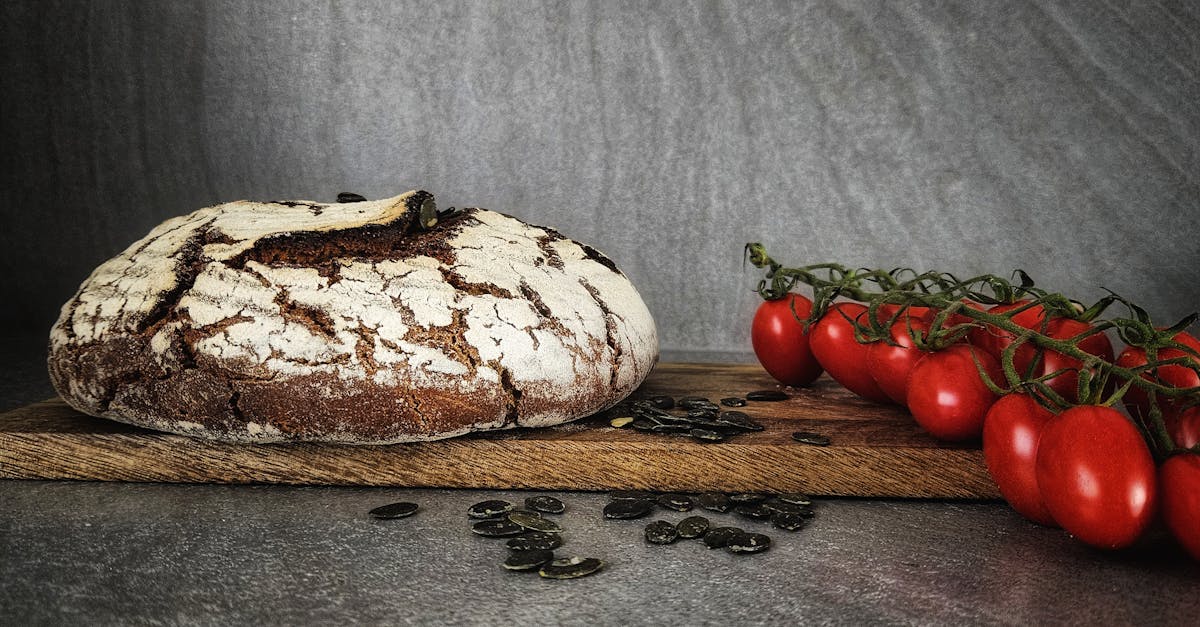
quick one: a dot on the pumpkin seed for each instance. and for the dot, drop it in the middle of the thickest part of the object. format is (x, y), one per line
(661, 532)
(641, 424)
(621, 421)
(395, 510)
(744, 543)
(628, 509)
(757, 511)
(701, 413)
(531, 540)
(534, 522)
(690, 400)
(733, 401)
(528, 560)
(706, 435)
(789, 521)
(715, 502)
(546, 504)
(720, 537)
(489, 509)
(661, 401)
(497, 528)
(808, 437)
(677, 502)
(349, 197)
(747, 498)
(570, 567)
(769, 396)
(739, 419)
(786, 508)
(692, 527)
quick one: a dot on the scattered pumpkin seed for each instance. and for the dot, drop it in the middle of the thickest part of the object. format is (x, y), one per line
(789, 521)
(395, 510)
(692, 527)
(489, 509)
(534, 522)
(628, 509)
(497, 528)
(531, 540)
(740, 420)
(528, 560)
(661, 401)
(545, 504)
(769, 396)
(661, 532)
(684, 401)
(747, 498)
(570, 567)
(758, 511)
(808, 437)
(733, 401)
(744, 543)
(714, 502)
(786, 508)
(345, 197)
(719, 537)
(677, 502)
(706, 435)
(701, 413)
(641, 424)
(622, 421)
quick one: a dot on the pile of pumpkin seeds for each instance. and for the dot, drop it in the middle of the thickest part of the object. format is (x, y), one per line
(787, 512)
(532, 537)
(696, 416)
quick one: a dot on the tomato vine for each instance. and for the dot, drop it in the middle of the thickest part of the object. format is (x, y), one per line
(888, 294)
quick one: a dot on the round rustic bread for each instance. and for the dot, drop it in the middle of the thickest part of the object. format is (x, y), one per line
(363, 322)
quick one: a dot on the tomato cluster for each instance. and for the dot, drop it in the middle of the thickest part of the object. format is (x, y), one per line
(1083, 466)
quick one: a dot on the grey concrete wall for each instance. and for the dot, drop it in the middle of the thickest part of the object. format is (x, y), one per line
(1059, 137)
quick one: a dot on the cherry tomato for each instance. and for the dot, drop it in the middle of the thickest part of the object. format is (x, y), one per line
(890, 365)
(995, 340)
(1067, 383)
(1011, 432)
(833, 343)
(1096, 476)
(1136, 398)
(946, 395)
(1179, 486)
(781, 343)
(1184, 428)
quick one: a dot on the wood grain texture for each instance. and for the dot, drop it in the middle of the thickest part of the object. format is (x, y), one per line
(876, 451)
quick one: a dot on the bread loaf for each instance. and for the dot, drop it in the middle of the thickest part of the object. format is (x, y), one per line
(364, 322)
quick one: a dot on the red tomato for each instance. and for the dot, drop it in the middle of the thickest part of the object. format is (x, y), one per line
(780, 342)
(1067, 383)
(1184, 428)
(1136, 398)
(833, 343)
(995, 340)
(947, 397)
(1011, 432)
(890, 365)
(1096, 476)
(1179, 486)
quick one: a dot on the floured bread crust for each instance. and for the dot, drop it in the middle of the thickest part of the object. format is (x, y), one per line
(301, 321)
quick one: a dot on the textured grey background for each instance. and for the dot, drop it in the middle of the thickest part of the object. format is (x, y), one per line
(1060, 137)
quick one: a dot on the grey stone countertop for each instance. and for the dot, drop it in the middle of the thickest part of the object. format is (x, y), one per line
(80, 552)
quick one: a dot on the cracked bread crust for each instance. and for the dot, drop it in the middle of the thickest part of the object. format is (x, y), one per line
(302, 321)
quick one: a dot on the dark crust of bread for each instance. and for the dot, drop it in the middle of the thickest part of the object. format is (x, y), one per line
(184, 390)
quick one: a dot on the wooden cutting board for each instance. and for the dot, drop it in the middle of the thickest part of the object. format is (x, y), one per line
(876, 450)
